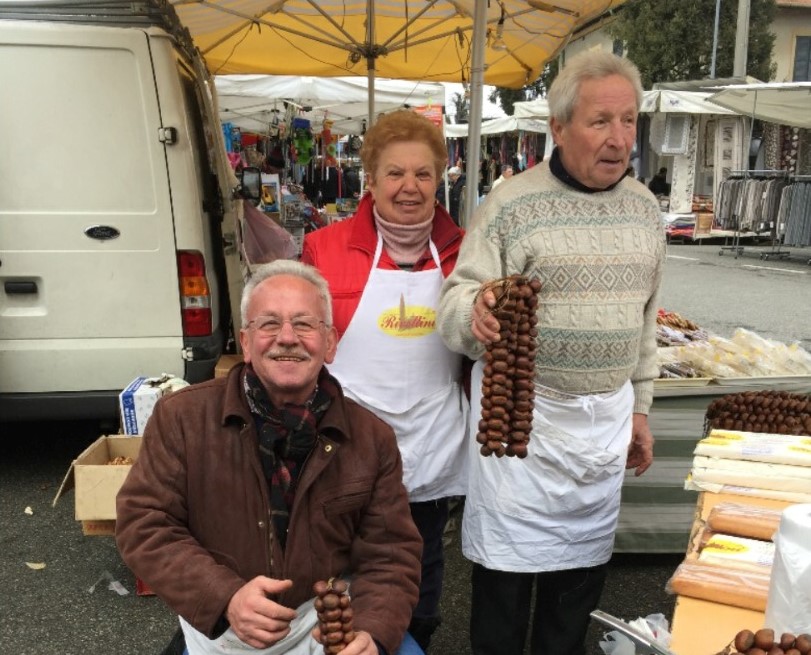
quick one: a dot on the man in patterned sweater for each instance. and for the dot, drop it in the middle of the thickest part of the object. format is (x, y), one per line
(594, 239)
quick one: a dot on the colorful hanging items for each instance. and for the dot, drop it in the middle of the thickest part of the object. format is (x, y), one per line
(329, 144)
(302, 141)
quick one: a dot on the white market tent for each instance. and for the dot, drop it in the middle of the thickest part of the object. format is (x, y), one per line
(499, 126)
(658, 100)
(786, 103)
(253, 102)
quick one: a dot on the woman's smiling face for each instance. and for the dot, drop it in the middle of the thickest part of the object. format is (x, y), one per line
(404, 183)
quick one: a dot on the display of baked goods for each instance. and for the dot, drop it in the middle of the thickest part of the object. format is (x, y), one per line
(687, 351)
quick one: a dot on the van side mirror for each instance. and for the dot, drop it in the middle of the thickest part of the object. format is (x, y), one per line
(250, 183)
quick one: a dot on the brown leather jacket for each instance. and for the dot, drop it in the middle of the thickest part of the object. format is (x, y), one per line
(193, 516)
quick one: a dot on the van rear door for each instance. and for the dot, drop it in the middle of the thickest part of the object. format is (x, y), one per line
(88, 273)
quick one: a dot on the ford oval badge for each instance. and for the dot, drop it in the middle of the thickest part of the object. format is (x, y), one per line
(102, 232)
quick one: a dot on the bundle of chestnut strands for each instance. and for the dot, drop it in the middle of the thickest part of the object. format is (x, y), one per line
(335, 615)
(508, 388)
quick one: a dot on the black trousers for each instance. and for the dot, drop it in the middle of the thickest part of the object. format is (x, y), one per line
(501, 602)
(430, 517)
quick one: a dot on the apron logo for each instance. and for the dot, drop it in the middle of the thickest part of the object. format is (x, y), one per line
(407, 321)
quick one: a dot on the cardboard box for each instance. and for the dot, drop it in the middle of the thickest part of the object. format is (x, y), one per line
(225, 363)
(704, 223)
(97, 483)
(137, 402)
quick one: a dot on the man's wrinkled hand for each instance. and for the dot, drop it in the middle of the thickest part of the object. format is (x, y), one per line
(255, 618)
(484, 326)
(640, 451)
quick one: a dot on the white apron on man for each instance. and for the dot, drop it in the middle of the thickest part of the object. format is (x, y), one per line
(556, 509)
(299, 640)
(392, 361)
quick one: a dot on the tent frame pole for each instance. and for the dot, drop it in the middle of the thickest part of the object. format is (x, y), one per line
(475, 120)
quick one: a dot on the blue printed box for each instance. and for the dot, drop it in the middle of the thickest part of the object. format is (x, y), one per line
(137, 402)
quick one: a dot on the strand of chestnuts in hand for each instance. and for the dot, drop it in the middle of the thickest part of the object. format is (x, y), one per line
(764, 642)
(335, 615)
(508, 388)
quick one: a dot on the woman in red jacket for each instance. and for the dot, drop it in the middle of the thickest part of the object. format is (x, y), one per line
(385, 267)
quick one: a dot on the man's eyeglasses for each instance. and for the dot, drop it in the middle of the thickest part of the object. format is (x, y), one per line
(303, 326)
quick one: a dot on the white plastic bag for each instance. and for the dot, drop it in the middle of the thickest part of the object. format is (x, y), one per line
(265, 240)
(654, 626)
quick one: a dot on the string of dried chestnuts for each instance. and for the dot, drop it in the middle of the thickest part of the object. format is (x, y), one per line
(766, 411)
(335, 615)
(508, 388)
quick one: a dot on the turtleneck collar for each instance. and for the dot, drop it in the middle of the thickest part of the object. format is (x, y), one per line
(556, 166)
(404, 243)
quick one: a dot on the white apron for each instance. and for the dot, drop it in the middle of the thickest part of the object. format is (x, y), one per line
(298, 642)
(392, 361)
(557, 508)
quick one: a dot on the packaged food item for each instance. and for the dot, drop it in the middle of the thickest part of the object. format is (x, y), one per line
(744, 520)
(728, 586)
(738, 552)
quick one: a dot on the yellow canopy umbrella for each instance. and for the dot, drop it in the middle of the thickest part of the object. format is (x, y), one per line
(500, 42)
(425, 40)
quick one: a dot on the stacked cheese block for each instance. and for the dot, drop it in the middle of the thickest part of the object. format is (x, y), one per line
(731, 560)
(774, 466)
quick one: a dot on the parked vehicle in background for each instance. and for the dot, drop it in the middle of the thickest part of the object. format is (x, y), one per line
(115, 204)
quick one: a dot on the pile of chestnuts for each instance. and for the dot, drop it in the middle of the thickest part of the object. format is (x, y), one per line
(508, 388)
(765, 642)
(335, 616)
(767, 411)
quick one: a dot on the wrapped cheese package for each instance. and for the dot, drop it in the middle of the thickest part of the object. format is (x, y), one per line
(738, 552)
(758, 447)
(728, 586)
(758, 475)
(744, 520)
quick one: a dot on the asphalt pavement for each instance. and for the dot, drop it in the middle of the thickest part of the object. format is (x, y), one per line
(67, 608)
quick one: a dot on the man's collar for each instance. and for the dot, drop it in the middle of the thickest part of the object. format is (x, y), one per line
(558, 170)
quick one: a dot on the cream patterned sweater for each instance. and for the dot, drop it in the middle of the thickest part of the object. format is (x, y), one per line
(599, 257)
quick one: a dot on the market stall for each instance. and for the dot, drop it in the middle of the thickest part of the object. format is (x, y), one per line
(747, 562)
(772, 200)
(508, 140)
(657, 512)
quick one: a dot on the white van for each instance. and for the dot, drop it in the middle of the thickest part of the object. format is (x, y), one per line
(115, 195)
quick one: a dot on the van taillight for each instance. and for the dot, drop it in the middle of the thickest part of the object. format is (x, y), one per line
(195, 297)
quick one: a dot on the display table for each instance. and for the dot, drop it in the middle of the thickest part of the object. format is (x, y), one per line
(657, 513)
(701, 627)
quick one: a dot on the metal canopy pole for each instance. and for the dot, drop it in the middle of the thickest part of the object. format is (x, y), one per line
(370, 61)
(475, 120)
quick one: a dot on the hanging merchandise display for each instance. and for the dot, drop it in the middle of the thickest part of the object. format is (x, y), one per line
(303, 141)
(794, 215)
(329, 145)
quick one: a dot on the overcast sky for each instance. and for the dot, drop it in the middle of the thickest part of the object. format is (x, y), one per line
(489, 109)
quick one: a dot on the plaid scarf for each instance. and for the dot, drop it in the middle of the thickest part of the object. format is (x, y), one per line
(286, 437)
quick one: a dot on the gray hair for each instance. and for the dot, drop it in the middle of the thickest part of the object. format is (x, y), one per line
(592, 64)
(286, 267)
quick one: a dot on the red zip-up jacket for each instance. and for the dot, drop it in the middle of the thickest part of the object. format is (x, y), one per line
(344, 251)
